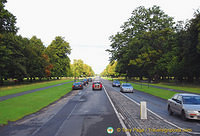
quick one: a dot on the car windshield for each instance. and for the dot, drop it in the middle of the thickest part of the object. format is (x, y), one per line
(191, 100)
(116, 82)
(126, 85)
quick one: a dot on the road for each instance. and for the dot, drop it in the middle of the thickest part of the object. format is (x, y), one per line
(86, 113)
(159, 106)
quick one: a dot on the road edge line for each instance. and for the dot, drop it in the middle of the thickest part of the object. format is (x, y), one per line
(196, 133)
(116, 112)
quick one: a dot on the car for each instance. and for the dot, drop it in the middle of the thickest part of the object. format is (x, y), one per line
(186, 105)
(96, 85)
(126, 87)
(85, 81)
(77, 85)
(89, 79)
(116, 83)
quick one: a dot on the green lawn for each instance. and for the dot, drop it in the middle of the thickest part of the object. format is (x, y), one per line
(22, 88)
(188, 88)
(165, 94)
(18, 107)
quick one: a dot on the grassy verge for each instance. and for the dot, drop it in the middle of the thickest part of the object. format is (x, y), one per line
(188, 88)
(165, 94)
(18, 107)
(22, 88)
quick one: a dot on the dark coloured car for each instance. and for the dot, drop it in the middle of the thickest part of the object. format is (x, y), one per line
(77, 85)
(90, 79)
(85, 81)
(116, 83)
(186, 105)
(97, 85)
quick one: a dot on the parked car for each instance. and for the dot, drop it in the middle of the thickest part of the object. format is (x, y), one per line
(77, 85)
(126, 87)
(97, 85)
(185, 104)
(116, 83)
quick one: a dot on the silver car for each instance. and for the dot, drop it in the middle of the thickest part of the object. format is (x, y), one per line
(126, 87)
(186, 105)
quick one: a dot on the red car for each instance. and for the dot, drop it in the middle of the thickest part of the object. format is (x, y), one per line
(97, 85)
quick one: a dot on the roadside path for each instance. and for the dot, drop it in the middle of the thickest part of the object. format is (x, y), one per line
(30, 91)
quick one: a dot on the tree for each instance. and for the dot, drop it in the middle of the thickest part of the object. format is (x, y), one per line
(58, 52)
(36, 61)
(144, 39)
(7, 19)
(12, 56)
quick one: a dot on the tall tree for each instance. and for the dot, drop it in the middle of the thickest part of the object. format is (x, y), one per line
(58, 52)
(7, 19)
(144, 39)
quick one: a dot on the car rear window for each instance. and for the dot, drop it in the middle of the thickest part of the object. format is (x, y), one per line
(97, 83)
(77, 83)
(126, 85)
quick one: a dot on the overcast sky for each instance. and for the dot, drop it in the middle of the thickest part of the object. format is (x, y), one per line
(87, 24)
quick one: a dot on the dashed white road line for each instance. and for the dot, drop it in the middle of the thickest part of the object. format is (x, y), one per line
(116, 112)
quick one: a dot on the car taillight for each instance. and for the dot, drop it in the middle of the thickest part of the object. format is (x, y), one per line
(101, 85)
(72, 85)
(80, 85)
(93, 85)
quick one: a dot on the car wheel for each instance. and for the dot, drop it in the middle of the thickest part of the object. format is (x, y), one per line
(170, 111)
(183, 115)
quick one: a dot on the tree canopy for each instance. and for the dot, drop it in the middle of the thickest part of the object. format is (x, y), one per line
(152, 45)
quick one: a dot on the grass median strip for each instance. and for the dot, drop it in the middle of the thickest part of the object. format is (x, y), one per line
(18, 107)
(165, 94)
(22, 88)
(188, 88)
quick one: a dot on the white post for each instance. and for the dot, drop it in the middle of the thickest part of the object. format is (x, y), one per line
(143, 110)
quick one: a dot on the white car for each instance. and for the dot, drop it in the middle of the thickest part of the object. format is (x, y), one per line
(126, 87)
(185, 104)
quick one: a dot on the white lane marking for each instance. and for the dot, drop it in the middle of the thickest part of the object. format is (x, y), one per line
(118, 116)
(196, 133)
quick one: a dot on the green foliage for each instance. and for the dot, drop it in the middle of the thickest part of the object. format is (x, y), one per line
(7, 19)
(110, 70)
(151, 46)
(79, 69)
(58, 52)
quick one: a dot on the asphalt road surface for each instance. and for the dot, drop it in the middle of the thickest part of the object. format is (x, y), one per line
(159, 106)
(86, 113)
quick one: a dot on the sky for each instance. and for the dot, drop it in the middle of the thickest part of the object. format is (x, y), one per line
(87, 24)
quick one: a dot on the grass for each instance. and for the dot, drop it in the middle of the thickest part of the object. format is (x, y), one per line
(22, 88)
(188, 88)
(18, 107)
(165, 94)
